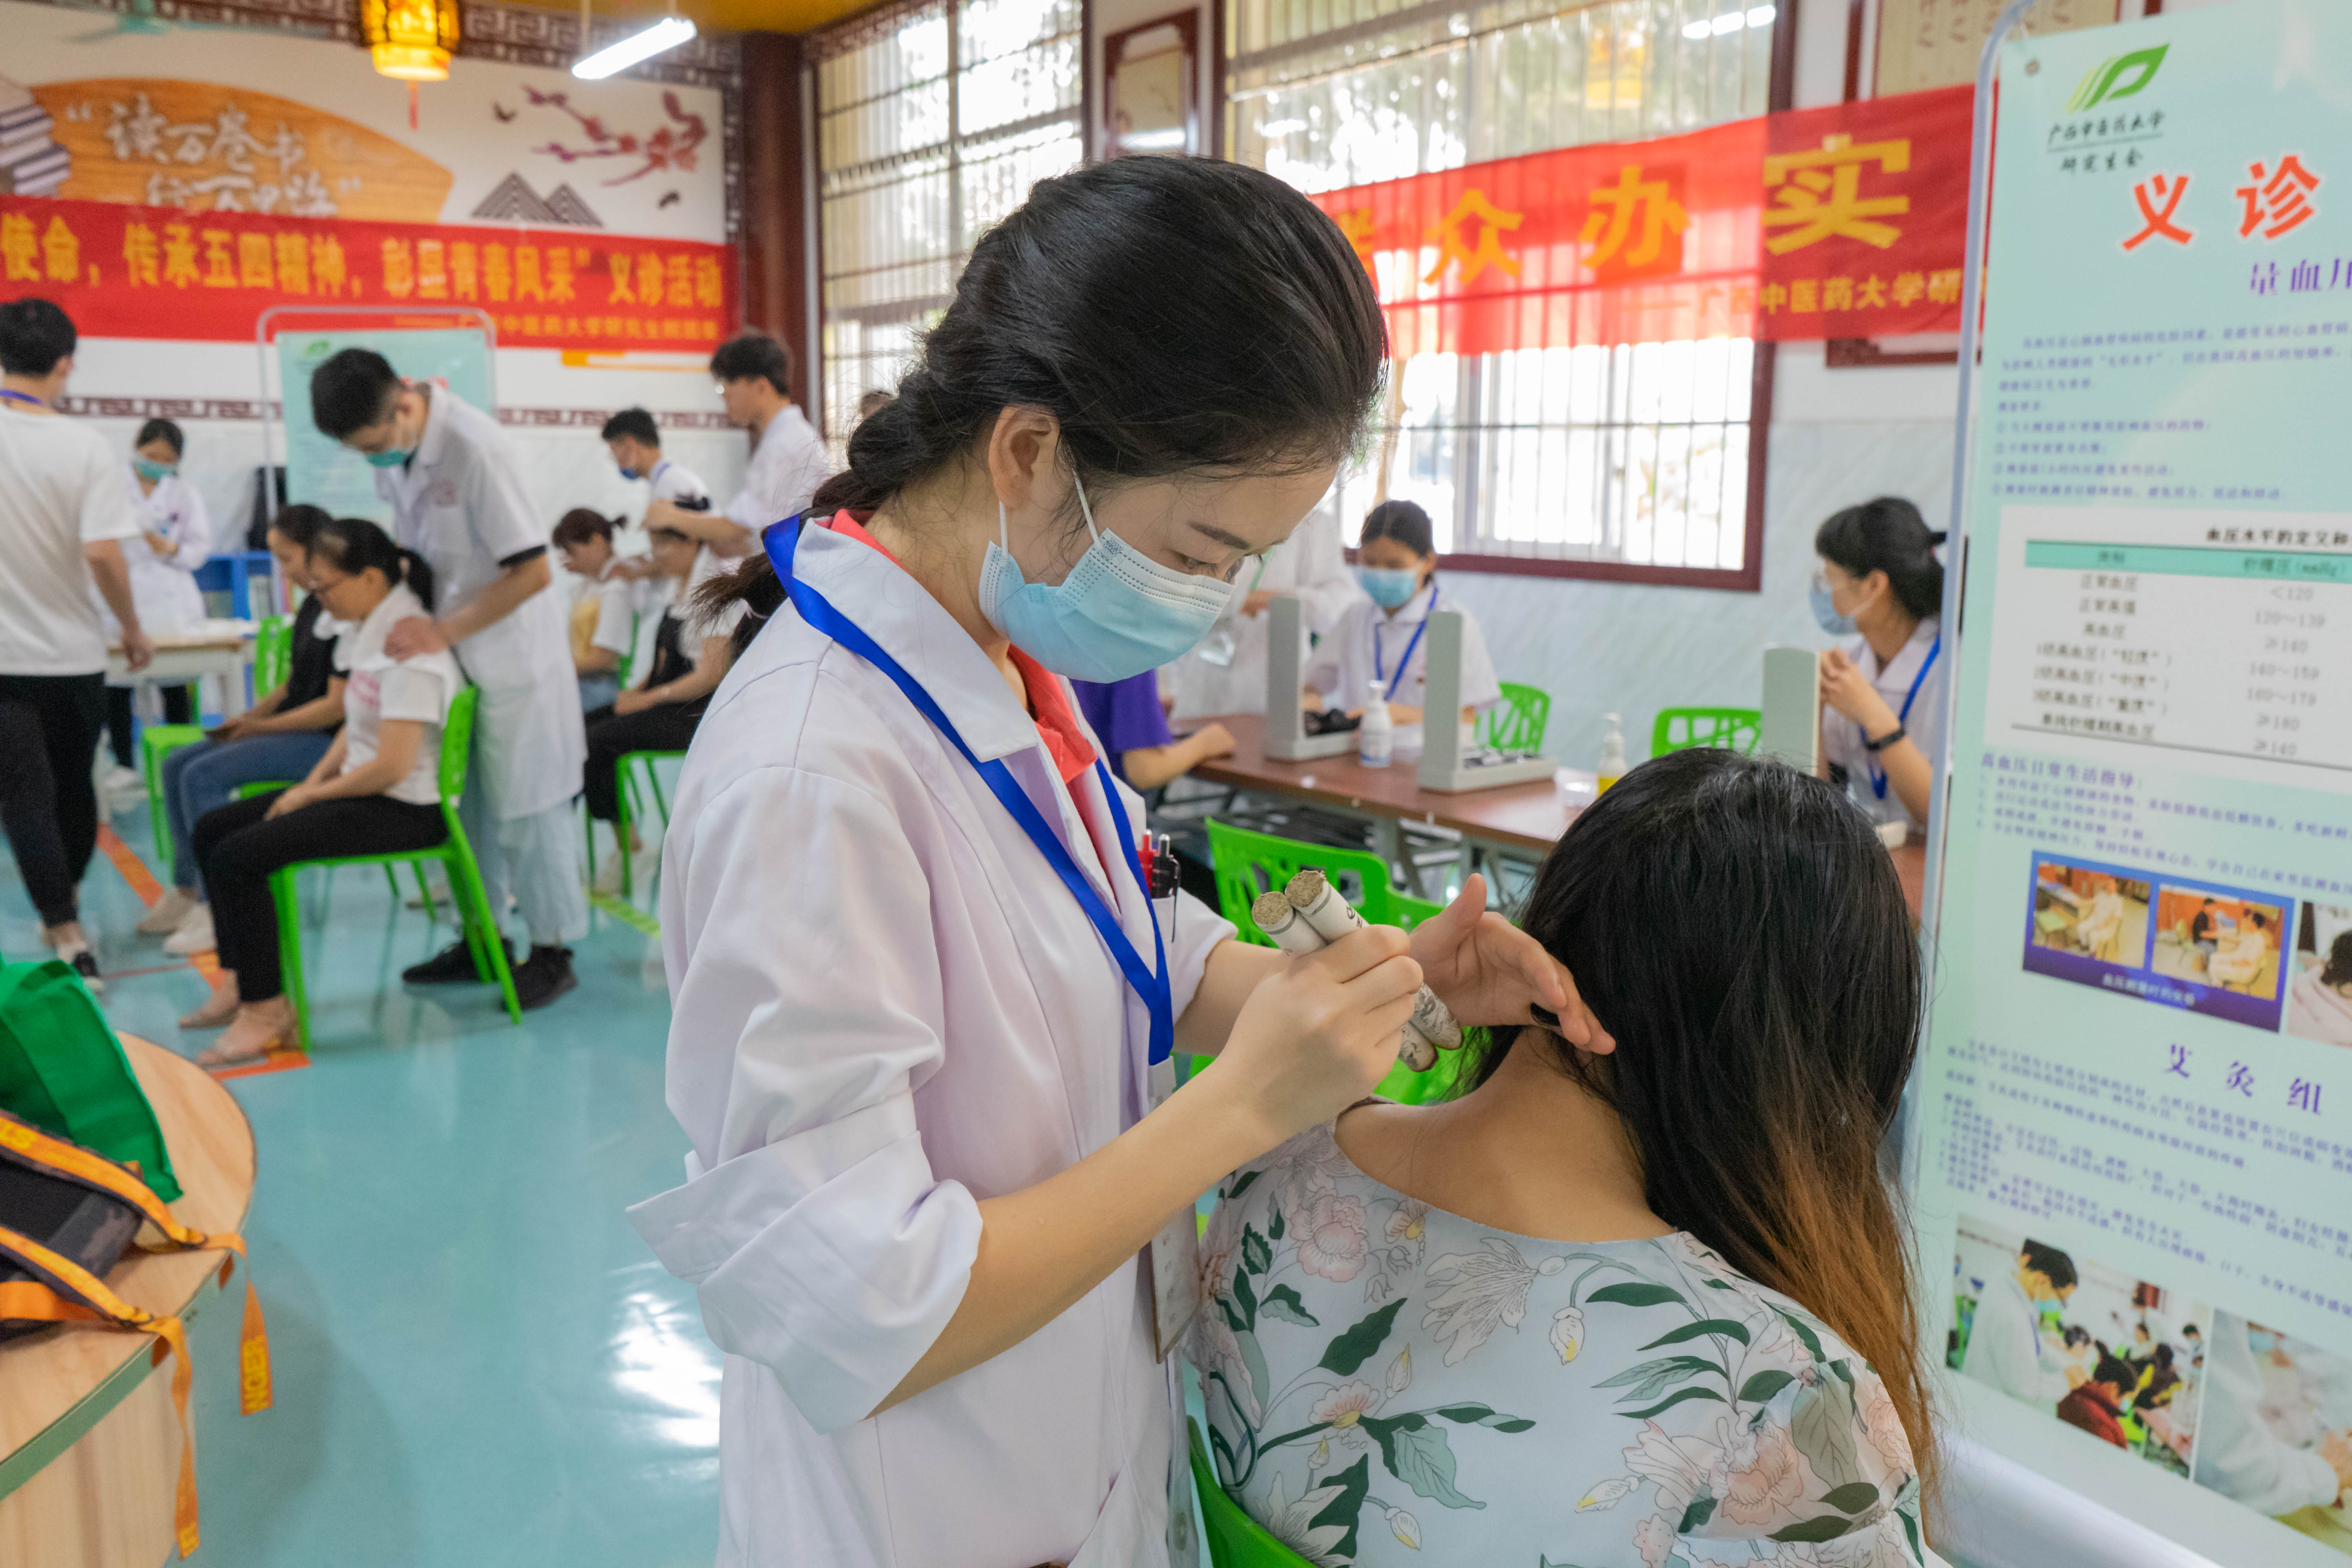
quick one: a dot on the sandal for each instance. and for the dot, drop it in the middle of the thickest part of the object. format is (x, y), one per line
(214, 1057)
(212, 1015)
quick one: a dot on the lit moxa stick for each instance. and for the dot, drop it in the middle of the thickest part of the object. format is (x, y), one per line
(1294, 935)
(1319, 904)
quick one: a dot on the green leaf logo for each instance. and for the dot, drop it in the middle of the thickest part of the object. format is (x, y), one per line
(2106, 80)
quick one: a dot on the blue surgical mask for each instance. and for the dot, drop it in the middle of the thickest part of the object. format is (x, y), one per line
(1117, 613)
(628, 473)
(152, 471)
(392, 460)
(1825, 611)
(1390, 587)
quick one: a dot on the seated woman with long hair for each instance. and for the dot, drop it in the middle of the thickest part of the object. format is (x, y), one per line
(1634, 1303)
(377, 790)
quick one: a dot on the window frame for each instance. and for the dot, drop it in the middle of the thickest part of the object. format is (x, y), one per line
(821, 44)
(1749, 576)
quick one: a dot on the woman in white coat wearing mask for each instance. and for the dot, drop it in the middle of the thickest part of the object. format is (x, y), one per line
(175, 538)
(1883, 694)
(1226, 672)
(923, 1005)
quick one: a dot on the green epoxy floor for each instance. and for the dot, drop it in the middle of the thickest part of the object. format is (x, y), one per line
(476, 1361)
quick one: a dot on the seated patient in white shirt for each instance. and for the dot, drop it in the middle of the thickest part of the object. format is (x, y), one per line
(1380, 638)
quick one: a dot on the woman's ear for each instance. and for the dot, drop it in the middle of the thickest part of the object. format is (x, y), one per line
(1023, 447)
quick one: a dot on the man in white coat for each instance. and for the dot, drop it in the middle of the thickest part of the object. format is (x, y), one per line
(2005, 1343)
(458, 500)
(1226, 672)
(2240, 1455)
(754, 373)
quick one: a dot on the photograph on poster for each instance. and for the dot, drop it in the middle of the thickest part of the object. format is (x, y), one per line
(2193, 945)
(2319, 998)
(2090, 911)
(2116, 1357)
(2278, 1428)
(2215, 937)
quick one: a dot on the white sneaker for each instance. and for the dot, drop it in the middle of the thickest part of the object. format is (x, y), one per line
(119, 779)
(169, 913)
(194, 935)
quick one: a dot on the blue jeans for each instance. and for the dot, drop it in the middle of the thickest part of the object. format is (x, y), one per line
(205, 777)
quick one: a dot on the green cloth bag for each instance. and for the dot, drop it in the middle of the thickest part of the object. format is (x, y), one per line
(62, 1069)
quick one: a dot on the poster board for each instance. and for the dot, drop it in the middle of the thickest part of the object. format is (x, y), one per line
(323, 471)
(2138, 1074)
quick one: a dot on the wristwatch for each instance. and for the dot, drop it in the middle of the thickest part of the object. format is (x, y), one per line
(1883, 741)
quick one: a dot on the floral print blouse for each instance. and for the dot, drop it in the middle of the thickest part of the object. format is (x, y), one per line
(1388, 1384)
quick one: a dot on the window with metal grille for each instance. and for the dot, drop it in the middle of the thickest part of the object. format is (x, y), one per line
(1632, 461)
(933, 120)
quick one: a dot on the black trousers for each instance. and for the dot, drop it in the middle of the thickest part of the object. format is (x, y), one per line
(179, 707)
(48, 806)
(665, 727)
(240, 844)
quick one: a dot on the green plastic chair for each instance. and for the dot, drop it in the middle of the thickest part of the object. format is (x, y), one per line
(1234, 1538)
(456, 857)
(625, 779)
(1247, 864)
(391, 874)
(273, 656)
(1518, 721)
(1733, 729)
(273, 653)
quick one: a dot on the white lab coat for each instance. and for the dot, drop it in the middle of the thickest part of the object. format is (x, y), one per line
(787, 466)
(1371, 644)
(1842, 738)
(1311, 566)
(887, 1008)
(2005, 1347)
(2237, 1455)
(163, 587)
(460, 503)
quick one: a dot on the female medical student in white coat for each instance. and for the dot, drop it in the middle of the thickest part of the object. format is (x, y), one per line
(175, 538)
(1226, 672)
(1383, 635)
(1883, 694)
(919, 987)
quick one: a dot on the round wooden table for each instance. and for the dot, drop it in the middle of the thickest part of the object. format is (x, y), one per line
(89, 1445)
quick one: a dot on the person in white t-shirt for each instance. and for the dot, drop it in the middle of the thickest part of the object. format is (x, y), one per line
(583, 540)
(376, 790)
(787, 458)
(64, 514)
(175, 540)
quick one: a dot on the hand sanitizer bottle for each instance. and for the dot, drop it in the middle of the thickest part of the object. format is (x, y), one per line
(1376, 735)
(1612, 756)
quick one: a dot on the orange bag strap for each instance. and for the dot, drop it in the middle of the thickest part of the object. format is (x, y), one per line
(37, 1302)
(93, 1170)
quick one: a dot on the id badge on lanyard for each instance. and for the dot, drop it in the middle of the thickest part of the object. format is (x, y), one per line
(1175, 1251)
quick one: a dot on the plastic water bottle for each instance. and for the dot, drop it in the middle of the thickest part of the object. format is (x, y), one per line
(1376, 735)
(1612, 757)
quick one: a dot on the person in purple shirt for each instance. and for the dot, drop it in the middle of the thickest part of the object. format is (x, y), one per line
(1126, 717)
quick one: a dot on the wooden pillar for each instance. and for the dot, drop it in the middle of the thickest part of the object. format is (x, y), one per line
(775, 255)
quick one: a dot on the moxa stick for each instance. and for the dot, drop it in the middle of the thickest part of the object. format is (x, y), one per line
(1319, 904)
(1295, 935)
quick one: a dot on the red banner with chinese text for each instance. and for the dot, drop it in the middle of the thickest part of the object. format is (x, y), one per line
(125, 271)
(1845, 222)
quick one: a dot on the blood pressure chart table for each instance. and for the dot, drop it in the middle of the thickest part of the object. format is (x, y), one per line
(2203, 634)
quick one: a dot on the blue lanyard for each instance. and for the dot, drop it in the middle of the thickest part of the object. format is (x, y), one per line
(13, 395)
(1877, 773)
(1406, 662)
(1151, 984)
(655, 478)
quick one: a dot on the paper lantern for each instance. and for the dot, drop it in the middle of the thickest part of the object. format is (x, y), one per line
(410, 39)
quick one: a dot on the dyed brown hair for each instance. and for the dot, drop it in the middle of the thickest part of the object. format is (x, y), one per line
(1740, 930)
